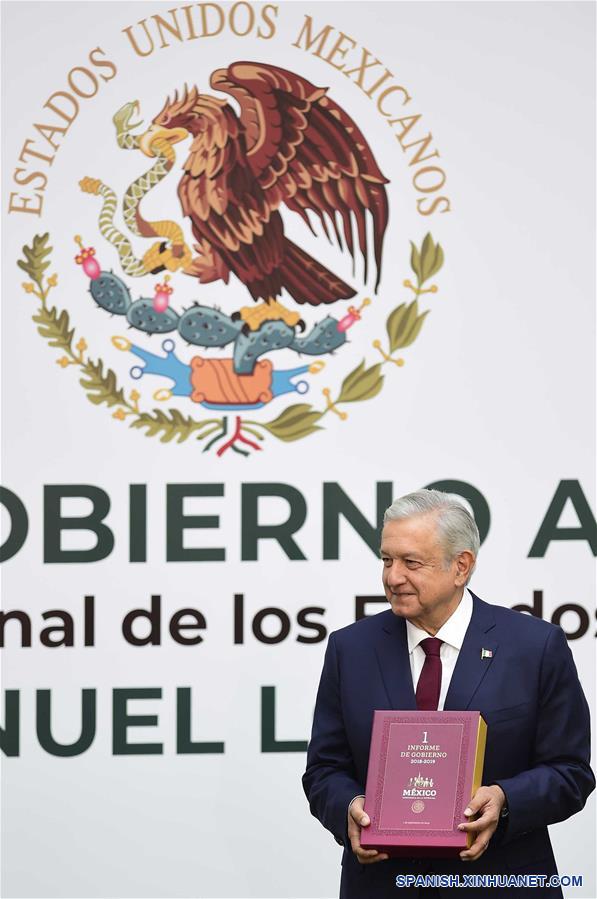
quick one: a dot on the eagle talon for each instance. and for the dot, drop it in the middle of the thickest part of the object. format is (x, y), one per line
(163, 257)
(235, 316)
(256, 316)
(301, 325)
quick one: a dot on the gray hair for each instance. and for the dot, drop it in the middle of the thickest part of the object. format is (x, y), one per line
(456, 526)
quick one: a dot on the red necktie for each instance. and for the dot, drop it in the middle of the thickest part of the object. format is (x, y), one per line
(430, 679)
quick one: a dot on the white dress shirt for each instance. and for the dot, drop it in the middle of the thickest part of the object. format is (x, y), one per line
(452, 634)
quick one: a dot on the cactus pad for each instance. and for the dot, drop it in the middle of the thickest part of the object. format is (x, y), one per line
(110, 293)
(207, 327)
(142, 316)
(273, 335)
(324, 337)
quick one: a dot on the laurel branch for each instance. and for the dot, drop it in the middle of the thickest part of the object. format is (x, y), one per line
(296, 422)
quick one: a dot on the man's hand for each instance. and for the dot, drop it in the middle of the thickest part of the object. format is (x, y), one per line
(488, 802)
(358, 818)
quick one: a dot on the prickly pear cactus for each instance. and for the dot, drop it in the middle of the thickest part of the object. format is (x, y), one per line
(111, 293)
(273, 335)
(142, 315)
(207, 327)
(324, 337)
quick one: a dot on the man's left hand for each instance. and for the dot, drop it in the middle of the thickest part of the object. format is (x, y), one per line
(487, 802)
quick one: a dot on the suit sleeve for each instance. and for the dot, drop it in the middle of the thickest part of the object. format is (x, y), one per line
(561, 779)
(330, 781)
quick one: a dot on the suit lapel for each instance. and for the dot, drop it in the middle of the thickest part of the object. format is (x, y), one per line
(470, 667)
(391, 650)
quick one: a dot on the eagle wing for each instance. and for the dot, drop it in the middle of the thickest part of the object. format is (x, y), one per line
(217, 191)
(306, 152)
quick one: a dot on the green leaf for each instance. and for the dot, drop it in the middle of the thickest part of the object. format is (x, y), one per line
(294, 423)
(28, 269)
(170, 424)
(395, 325)
(55, 327)
(415, 261)
(413, 332)
(426, 246)
(399, 323)
(35, 262)
(100, 387)
(361, 384)
(298, 434)
(351, 379)
(404, 324)
(291, 414)
(432, 258)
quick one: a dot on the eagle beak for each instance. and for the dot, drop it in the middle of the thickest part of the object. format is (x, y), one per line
(155, 132)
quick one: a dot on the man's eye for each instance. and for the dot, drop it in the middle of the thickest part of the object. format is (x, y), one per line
(412, 563)
(387, 562)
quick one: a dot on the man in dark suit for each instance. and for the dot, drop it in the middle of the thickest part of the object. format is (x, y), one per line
(442, 647)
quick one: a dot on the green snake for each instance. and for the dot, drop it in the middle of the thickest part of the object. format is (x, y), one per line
(160, 255)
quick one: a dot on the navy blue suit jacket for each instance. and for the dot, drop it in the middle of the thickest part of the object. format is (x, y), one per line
(538, 741)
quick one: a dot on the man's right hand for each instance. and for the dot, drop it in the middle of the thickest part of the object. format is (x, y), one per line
(358, 818)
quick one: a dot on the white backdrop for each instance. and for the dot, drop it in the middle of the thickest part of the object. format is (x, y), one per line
(496, 391)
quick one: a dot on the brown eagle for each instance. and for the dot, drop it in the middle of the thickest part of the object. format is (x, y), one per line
(291, 145)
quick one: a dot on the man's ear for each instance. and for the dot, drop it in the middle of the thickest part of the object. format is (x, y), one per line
(464, 565)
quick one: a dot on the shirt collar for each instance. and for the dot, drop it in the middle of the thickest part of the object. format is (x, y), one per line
(452, 631)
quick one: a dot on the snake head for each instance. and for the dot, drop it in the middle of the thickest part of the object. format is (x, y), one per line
(122, 118)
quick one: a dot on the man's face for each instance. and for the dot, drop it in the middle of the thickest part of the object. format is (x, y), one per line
(419, 584)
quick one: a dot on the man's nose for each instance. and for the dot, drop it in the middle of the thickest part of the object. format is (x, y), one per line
(395, 574)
